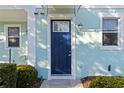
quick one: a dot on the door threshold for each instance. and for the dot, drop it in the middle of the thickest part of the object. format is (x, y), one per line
(61, 77)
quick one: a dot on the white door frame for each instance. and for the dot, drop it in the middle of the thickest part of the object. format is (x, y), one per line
(61, 16)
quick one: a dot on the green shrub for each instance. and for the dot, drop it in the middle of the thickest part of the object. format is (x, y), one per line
(26, 76)
(107, 82)
(8, 75)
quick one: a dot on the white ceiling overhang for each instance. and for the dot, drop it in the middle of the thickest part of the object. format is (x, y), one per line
(13, 15)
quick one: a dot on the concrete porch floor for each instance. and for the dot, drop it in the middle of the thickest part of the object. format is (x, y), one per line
(61, 83)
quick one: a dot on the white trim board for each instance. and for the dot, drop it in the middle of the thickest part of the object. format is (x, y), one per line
(71, 17)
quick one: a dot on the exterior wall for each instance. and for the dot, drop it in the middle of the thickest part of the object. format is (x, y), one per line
(17, 54)
(30, 10)
(41, 44)
(91, 59)
(28, 38)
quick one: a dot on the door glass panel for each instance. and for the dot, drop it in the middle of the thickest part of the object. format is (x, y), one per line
(60, 26)
(110, 39)
(13, 42)
(13, 31)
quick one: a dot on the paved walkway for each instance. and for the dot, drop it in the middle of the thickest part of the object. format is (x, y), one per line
(61, 83)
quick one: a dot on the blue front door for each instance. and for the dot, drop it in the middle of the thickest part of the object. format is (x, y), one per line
(60, 47)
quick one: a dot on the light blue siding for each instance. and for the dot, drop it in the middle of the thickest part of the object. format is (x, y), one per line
(41, 45)
(91, 59)
(18, 55)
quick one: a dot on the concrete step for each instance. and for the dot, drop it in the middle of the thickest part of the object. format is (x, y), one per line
(61, 83)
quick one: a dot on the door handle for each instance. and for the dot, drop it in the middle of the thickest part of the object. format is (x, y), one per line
(69, 54)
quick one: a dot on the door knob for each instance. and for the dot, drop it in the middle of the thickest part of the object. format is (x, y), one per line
(69, 54)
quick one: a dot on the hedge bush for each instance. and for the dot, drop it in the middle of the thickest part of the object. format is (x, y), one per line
(26, 76)
(107, 82)
(8, 75)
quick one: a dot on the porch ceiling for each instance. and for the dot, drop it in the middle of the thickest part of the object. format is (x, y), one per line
(13, 15)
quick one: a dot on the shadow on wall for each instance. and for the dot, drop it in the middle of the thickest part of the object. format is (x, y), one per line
(91, 59)
(41, 47)
(42, 62)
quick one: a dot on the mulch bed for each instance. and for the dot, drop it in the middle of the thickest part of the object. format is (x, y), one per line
(87, 80)
(38, 83)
